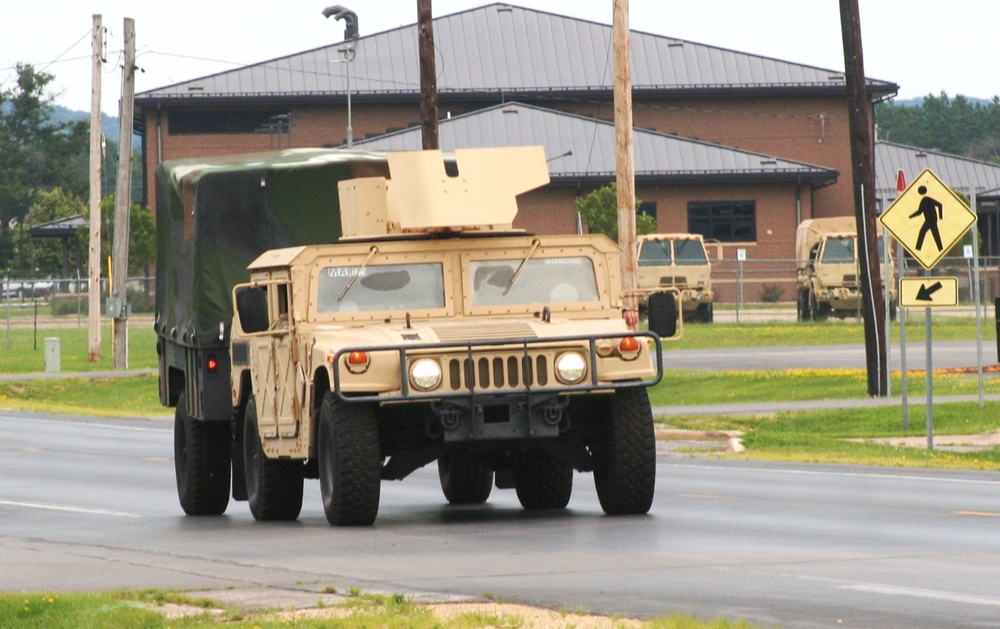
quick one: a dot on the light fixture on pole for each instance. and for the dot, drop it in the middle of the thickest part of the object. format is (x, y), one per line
(350, 18)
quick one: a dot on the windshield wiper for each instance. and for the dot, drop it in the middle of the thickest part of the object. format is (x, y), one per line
(357, 272)
(534, 245)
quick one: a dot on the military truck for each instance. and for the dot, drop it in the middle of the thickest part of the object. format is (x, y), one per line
(417, 326)
(678, 261)
(828, 275)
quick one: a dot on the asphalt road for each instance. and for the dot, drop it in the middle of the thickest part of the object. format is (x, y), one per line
(90, 504)
(944, 355)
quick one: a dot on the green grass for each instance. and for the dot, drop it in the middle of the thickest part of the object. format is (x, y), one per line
(22, 349)
(135, 396)
(138, 610)
(829, 436)
(831, 332)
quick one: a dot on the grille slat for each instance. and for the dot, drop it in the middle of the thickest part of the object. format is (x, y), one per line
(503, 372)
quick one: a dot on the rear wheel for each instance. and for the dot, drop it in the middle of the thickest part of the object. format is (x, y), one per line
(201, 462)
(274, 486)
(542, 481)
(350, 463)
(625, 454)
(803, 304)
(464, 481)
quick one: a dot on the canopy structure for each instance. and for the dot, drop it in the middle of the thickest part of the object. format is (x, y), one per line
(66, 229)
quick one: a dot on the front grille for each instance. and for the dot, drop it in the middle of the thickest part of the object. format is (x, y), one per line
(850, 280)
(498, 372)
(679, 281)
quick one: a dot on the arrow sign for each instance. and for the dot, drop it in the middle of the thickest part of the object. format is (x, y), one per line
(921, 292)
(925, 292)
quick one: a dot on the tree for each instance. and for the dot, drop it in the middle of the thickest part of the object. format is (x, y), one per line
(44, 255)
(36, 153)
(599, 211)
(952, 125)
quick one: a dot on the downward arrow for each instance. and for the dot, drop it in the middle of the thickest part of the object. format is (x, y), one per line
(925, 292)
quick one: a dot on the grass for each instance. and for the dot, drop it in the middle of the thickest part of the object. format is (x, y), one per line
(139, 610)
(22, 349)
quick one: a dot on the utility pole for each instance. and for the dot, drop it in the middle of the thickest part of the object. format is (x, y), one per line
(863, 171)
(94, 259)
(123, 200)
(428, 76)
(625, 179)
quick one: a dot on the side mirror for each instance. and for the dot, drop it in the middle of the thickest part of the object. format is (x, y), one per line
(662, 308)
(251, 307)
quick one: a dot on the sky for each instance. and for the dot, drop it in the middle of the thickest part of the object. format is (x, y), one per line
(925, 47)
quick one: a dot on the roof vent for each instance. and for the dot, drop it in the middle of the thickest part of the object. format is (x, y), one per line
(836, 76)
(768, 161)
(510, 110)
(504, 8)
(675, 42)
(196, 88)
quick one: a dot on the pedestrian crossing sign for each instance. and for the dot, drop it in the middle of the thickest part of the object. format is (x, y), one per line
(928, 219)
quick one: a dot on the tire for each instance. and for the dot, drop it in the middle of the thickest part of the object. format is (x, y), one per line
(543, 482)
(710, 313)
(625, 454)
(804, 314)
(817, 311)
(350, 463)
(274, 486)
(701, 313)
(201, 462)
(463, 480)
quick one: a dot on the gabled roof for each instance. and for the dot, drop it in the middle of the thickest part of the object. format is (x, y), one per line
(582, 149)
(504, 49)
(963, 174)
(60, 228)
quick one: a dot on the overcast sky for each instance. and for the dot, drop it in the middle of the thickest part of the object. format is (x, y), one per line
(925, 47)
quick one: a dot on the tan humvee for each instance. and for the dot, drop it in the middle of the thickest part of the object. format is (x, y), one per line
(678, 261)
(433, 331)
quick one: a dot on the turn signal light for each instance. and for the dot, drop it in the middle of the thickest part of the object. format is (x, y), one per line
(357, 361)
(628, 348)
(212, 364)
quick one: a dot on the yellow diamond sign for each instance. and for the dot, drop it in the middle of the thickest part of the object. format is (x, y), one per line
(928, 219)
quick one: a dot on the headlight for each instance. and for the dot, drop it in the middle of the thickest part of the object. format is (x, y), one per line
(425, 374)
(571, 367)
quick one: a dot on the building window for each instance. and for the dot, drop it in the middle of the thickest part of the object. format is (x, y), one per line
(202, 122)
(724, 221)
(647, 208)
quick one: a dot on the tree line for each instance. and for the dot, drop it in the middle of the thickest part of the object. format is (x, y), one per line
(44, 176)
(951, 125)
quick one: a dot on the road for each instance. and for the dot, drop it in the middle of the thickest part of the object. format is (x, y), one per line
(944, 355)
(90, 504)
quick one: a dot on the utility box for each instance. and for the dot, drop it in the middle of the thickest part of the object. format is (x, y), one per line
(53, 357)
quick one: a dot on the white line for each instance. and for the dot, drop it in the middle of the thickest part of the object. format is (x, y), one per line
(938, 595)
(39, 505)
(873, 474)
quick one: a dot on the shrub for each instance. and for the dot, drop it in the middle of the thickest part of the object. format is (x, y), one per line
(771, 293)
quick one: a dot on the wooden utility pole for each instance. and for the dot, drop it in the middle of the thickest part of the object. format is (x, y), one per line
(94, 259)
(863, 171)
(428, 75)
(625, 179)
(123, 199)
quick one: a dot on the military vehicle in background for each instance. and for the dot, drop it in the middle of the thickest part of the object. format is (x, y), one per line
(677, 261)
(827, 271)
(353, 317)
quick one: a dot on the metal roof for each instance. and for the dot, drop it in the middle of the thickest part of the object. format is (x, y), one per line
(960, 173)
(504, 49)
(581, 148)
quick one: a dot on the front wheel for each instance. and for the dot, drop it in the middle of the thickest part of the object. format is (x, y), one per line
(274, 486)
(201, 462)
(625, 454)
(350, 463)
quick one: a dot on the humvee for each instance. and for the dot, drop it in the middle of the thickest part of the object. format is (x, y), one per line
(678, 261)
(431, 331)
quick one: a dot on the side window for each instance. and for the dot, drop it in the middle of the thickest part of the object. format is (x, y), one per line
(281, 307)
(251, 306)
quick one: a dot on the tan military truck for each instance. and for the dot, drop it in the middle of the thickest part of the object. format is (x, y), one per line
(828, 275)
(678, 261)
(433, 331)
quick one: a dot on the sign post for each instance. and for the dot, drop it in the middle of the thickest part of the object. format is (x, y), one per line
(928, 219)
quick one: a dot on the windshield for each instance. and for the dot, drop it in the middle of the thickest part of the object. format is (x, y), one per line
(690, 251)
(381, 287)
(655, 253)
(838, 250)
(542, 281)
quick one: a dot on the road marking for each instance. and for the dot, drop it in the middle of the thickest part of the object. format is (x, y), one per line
(869, 475)
(979, 514)
(39, 505)
(894, 590)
